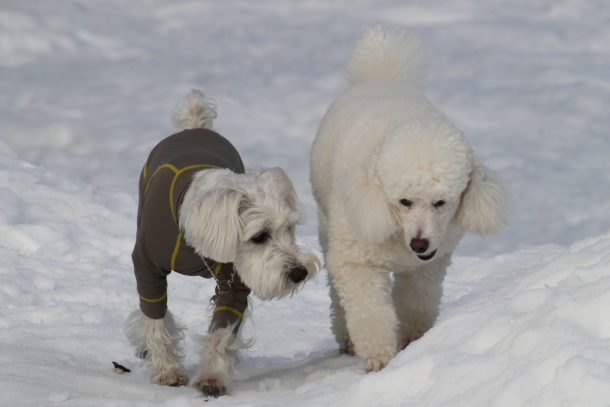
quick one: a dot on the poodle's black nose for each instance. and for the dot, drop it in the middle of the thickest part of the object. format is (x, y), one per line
(419, 245)
(297, 274)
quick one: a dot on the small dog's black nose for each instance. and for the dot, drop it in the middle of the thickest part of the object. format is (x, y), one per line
(419, 245)
(297, 274)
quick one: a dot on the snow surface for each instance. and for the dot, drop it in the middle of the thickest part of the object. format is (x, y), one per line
(86, 87)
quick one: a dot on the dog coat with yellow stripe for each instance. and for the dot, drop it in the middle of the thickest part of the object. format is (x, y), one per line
(160, 246)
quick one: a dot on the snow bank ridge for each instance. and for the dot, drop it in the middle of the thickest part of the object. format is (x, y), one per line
(194, 112)
(386, 54)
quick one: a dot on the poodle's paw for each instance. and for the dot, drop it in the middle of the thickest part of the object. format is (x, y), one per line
(404, 342)
(347, 348)
(407, 337)
(210, 387)
(376, 364)
(378, 360)
(172, 378)
(402, 345)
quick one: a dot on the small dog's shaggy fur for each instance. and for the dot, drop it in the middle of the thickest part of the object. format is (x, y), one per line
(397, 185)
(245, 219)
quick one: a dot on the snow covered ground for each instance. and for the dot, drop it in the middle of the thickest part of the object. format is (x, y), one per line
(86, 87)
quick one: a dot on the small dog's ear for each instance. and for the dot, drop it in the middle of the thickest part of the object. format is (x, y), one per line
(211, 223)
(278, 179)
(484, 206)
(367, 208)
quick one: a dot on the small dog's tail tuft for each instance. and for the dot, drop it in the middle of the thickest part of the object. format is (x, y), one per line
(386, 54)
(194, 112)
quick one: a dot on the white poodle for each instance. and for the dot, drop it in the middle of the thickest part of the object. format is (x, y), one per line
(202, 214)
(397, 185)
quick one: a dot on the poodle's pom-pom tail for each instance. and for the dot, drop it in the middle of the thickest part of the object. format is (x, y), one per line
(386, 54)
(195, 112)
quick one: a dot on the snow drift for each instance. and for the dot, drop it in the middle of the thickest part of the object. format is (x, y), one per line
(526, 328)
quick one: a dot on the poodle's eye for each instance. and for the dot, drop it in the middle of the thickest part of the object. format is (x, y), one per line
(406, 202)
(438, 204)
(260, 238)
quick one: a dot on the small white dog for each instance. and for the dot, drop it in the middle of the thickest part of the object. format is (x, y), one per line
(397, 185)
(200, 213)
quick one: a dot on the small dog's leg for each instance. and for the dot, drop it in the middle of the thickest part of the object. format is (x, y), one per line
(158, 340)
(417, 297)
(370, 316)
(338, 323)
(220, 351)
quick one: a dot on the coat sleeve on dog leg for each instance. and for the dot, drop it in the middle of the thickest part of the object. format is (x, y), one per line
(152, 288)
(231, 300)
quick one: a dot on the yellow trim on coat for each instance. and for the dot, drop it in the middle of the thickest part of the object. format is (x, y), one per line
(177, 173)
(153, 301)
(230, 309)
(171, 189)
(170, 166)
(172, 263)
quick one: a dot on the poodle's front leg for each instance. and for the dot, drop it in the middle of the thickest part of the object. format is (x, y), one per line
(220, 351)
(338, 323)
(159, 341)
(417, 296)
(371, 321)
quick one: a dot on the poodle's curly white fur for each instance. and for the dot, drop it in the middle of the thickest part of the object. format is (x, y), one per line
(397, 185)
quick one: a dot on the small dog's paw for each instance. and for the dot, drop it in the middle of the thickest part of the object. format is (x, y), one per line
(210, 387)
(347, 348)
(172, 379)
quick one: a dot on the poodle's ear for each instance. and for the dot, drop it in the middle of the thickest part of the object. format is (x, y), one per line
(368, 210)
(211, 223)
(484, 206)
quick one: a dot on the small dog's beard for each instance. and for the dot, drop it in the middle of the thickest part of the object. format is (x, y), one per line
(265, 270)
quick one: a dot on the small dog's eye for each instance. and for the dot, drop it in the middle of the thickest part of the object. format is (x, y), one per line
(438, 204)
(260, 237)
(406, 202)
